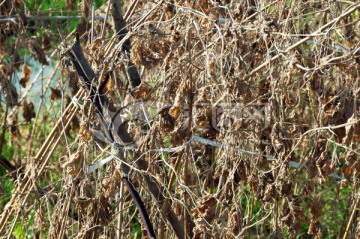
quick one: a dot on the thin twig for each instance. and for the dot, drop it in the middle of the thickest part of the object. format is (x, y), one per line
(350, 10)
(105, 20)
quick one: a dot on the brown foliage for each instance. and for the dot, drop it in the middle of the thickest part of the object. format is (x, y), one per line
(245, 130)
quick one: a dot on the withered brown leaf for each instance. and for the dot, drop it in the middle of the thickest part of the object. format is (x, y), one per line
(25, 75)
(73, 164)
(46, 42)
(9, 91)
(55, 94)
(141, 91)
(27, 110)
(38, 52)
(84, 132)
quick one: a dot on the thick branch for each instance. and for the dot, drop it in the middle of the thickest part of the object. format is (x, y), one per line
(120, 29)
(81, 65)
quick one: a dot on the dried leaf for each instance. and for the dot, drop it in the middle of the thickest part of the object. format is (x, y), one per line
(174, 111)
(284, 188)
(242, 172)
(141, 91)
(16, 60)
(14, 127)
(83, 202)
(205, 208)
(46, 42)
(181, 133)
(241, 87)
(27, 110)
(84, 132)
(270, 195)
(352, 132)
(97, 43)
(315, 208)
(298, 213)
(314, 227)
(169, 11)
(3, 68)
(312, 170)
(55, 94)
(235, 222)
(167, 123)
(9, 91)
(73, 165)
(25, 75)
(324, 164)
(38, 52)
(346, 171)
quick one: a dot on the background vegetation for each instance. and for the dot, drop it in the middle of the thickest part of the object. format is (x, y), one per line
(247, 115)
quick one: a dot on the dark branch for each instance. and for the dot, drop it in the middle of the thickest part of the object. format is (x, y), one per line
(140, 205)
(120, 29)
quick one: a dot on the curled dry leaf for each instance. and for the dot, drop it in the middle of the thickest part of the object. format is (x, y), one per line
(298, 213)
(167, 123)
(347, 172)
(235, 222)
(324, 164)
(241, 88)
(108, 187)
(96, 44)
(55, 94)
(46, 42)
(9, 91)
(315, 208)
(270, 195)
(3, 67)
(14, 128)
(352, 165)
(181, 133)
(27, 110)
(25, 75)
(242, 171)
(141, 91)
(82, 203)
(312, 170)
(72, 165)
(108, 86)
(204, 213)
(174, 111)
(84, 132)
(285, 214)
(38, 52)
(104, 210)
(314, 227)
(352, 132)
(15, 57)
(205, 208)
(284, 188)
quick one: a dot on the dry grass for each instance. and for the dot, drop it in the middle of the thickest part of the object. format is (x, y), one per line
(246, 117)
